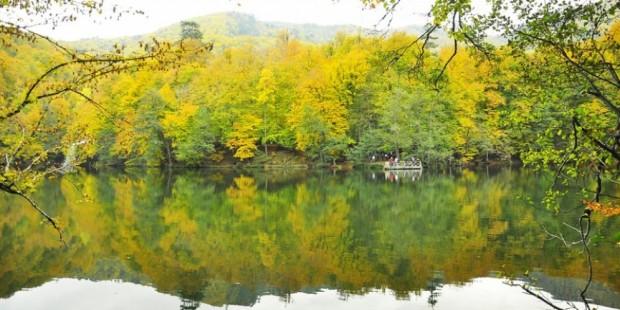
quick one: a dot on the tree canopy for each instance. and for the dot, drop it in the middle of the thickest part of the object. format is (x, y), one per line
(190, 30)
(43, 79)
(548, 97)
(568, 55)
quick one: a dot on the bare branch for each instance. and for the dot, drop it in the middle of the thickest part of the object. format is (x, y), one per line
(584, 235)
(454, 52)
(10, 189)
(388, 14)
(427, 37)
(445, 65)
(401, 51)
(541, 298)
(100, 107)
(473, 42)
(559, 237)
(107, 60)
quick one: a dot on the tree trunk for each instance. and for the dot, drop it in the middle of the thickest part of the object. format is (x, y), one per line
(168, 153)
(265, 132)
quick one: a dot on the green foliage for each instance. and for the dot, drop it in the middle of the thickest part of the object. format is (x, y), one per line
(370, 143)
(190, 30)
(149, 135)
(269, 229)
(332, 101)
(194, 141)
(548, 100)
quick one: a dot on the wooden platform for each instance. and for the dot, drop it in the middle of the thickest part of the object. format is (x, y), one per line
(406, 165)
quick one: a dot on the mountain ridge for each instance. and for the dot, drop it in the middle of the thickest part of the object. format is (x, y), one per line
(222, 27)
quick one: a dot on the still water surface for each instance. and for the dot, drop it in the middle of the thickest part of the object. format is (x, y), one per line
(299, 240)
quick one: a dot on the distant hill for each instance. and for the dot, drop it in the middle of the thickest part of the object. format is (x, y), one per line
(237, 24)
(234, 29)
(227, 29)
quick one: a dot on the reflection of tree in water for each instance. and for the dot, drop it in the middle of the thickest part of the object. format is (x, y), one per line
(219, 293)
(568, 289)
(434, 286)
(353, 232)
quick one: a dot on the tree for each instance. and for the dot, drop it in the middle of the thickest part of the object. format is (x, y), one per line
(151, 145)
(577, 51)
(570, 52)
(244, 135)
(66, 73)
(397, 120)
(266, 102)
(190, 30)
(197, 140)
(577, 48)
(318, 118)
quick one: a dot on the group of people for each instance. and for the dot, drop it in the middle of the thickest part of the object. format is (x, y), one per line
(394, 160)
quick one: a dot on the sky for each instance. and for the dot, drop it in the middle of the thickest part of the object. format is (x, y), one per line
(161, 13)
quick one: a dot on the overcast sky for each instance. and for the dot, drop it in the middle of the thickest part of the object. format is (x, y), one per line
(161, 13)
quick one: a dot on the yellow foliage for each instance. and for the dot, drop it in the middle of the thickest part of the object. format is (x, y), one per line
(123, 144)
(495, 99)
(318, 114)
(178, 121)
(244, 136)
(596, 107)
(217, 156)
(87, 123)
(608, 209)
(268, 249)
(167, 93)
(243, 196)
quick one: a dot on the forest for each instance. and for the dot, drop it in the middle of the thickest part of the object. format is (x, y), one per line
(547, 97)
(340, 101)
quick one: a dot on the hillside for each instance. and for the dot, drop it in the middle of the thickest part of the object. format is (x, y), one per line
(230, 29)
(237, 29)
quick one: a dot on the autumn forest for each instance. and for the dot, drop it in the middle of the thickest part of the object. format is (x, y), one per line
(514, 113)
(334, 102)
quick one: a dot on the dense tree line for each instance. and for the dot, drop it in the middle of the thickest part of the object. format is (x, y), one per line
(548, 97)
(341, 101)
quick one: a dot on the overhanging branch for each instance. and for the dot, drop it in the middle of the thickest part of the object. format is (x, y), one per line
(10, 188)
(598, 143)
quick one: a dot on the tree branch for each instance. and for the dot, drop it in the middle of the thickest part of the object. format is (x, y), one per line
(584, 235)
(543, 299)
(598, 143)
(154, 52)
(12, 190)
(454, 52)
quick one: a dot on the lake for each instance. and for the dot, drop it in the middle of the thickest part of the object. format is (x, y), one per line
(301, 239)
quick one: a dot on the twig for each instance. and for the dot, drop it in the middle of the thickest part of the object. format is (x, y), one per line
(455, 51)
(560, 237)
(53, 222)
(584, 235)
(543, 299)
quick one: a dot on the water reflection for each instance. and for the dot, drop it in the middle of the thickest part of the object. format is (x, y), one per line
(402, 176)
(73, 294)
(218, 238)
